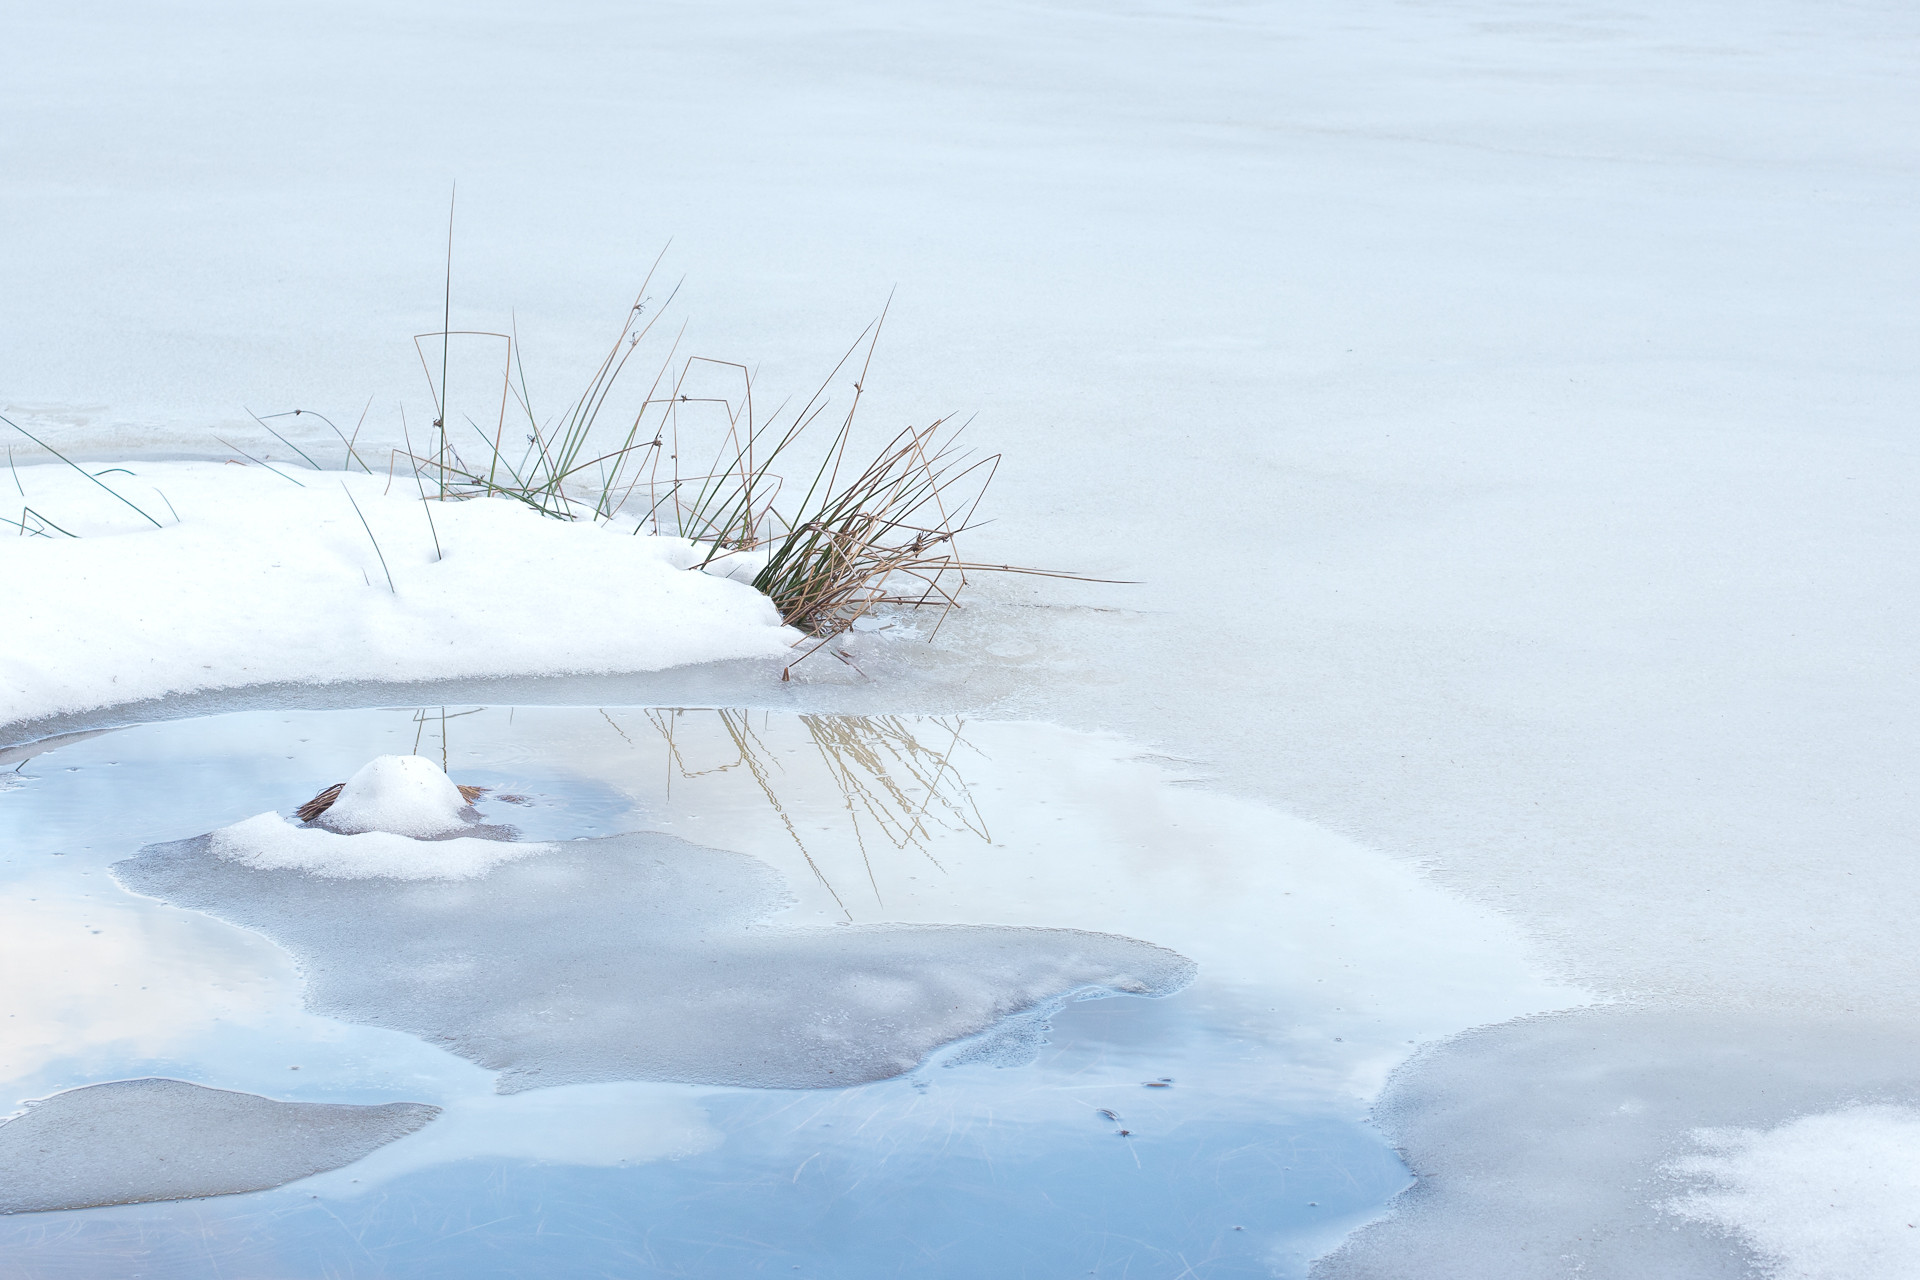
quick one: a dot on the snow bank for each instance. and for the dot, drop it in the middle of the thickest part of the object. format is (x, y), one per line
(263, 578)
(407, 795)
(268, 842)
(1824, 1197)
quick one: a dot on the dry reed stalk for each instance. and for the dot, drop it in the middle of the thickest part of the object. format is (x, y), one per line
(885, 538)
(319, 804)
(76, 466)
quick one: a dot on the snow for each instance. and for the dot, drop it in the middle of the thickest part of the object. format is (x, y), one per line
(388, 822)
(269, 842)
(1824, 1197)
(268, 578)
(1507, 410)
(406, 795)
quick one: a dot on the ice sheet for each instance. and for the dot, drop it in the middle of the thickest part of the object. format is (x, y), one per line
(1568, 1144)
(130, 1141)
(1301, 1005)
(914, 820)
(643, 957)
(1507, 410)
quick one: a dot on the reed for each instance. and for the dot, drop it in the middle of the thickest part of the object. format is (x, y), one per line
(855, 536)
(890, 782)
(77, 467)
(859, 537)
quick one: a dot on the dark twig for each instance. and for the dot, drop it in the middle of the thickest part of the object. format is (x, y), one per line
(76, 466)
(375, 541)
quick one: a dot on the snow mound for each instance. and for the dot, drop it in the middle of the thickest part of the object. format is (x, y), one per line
(1824, 1197)
(268, 842)
(381, 826)
(404, 795)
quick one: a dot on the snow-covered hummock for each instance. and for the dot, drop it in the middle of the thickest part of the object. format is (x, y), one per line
(373, 830)
(244, 575)
(407, 795)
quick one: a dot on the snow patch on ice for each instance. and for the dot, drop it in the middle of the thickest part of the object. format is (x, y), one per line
(136, 1141)
(1825, 1197)
(406, 795)
(268, 842)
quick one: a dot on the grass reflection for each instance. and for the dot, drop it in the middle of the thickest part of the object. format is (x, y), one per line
(897, 779)
(833, 782)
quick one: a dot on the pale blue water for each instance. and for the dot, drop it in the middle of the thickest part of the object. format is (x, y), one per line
(962, 1171)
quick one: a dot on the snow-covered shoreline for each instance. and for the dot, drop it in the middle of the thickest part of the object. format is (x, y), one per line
(253, 576)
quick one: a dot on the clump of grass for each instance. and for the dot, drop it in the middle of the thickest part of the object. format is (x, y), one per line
(885, 537)
(548, 465)
(857, 538)
(320, 803)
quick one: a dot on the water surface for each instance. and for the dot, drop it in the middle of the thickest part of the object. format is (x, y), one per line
(1218, 1131)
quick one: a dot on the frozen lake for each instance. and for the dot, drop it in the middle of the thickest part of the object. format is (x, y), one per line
(1501, 416)
(1242, 1095)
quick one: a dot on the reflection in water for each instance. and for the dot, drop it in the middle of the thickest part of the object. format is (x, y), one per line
(896, 779)
(423, 717)
(879, 765)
